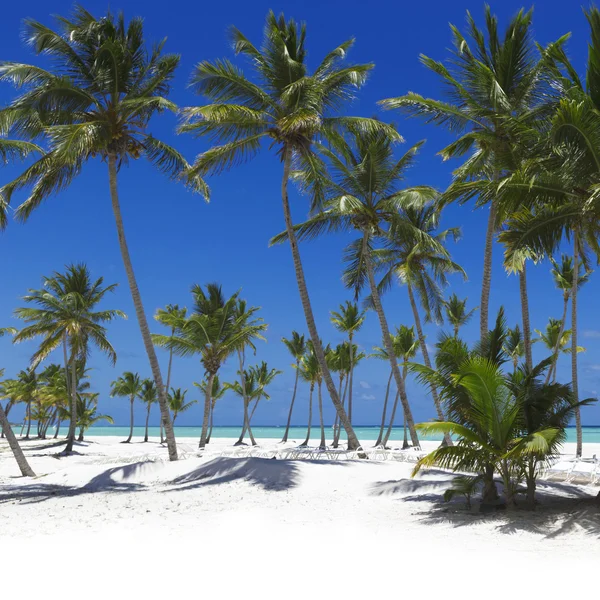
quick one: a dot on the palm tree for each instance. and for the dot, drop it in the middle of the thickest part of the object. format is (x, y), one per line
(129, 385)
(421, 262)
(171, 316)
(296, 347)
(366, 197)
(338, 361)
(456, 312)
(22, 463)
(310, 371)
(405, 348)
(115, 86)
(64, 314)
(87, 411)
(217, 392)
(25, 390)
(381, 354)
(289, 110)
(349, 320)
(513, 346)
(177, 402)
(215, 330)
(556, 339)
(491, 82)
(149, 396)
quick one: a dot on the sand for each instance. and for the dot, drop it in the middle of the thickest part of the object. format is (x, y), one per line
(121, 519)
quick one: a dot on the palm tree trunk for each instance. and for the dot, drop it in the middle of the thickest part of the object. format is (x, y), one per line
(212, 410)
(427, 361)
(388, 432)
(575, 381)
(147, 419)
(24, 467)
(525, 313)
(57, 428)
(249, 425)
(405, 439)
(80, 438)
(168, 381)
(207, 405)
(323, 444)
(556, 350)
(28, 419)
(139, 310)
(350, 378)
(487, 272)
(245, 400)
(387, 341)
(353, 442)
(338, 432)
(383, 414)
(9, 405)
(289, 419)
(131, 400)
(310, 396)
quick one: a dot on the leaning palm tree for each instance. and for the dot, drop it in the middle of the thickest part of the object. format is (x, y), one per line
(491, 82)
(296, 347)
(349, 319)
(457, 314)
(101, 111)
(64, 314)
(365, 197)
(288, 109)
(415, 255)
(129, 385)
(149, 396)
(177, 402)
(171, 316)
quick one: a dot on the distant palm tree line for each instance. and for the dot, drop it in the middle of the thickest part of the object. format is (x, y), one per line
(525, 127)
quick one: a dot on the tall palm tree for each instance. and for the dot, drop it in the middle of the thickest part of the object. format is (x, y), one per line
(422, 263)
(555, 337)
(491, 81)
(310, 371)
(338, 361)
(366, 196)
(289, 109)
(349, 319)
(129, 385)
(177, 402)
(115, 85)
(381, 354)
(22, 462)
(149, 396)
(456, 312)
(171, 316)
(216, 393)
(64, 314)
(296, 347)
(215, 329)
(405, 347)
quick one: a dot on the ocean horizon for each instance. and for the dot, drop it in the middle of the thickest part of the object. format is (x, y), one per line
(591, 433)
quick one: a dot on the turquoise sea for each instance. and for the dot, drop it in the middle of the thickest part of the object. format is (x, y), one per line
(590, 434)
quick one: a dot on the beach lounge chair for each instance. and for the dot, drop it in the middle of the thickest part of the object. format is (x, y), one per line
(584, 471)
(561, 469)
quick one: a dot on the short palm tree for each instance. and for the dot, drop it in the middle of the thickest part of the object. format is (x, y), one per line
(102, 110)
(457, 314)
(25, 390)
(310, 372)
(148, 396)
(366, 195)
(22, 462)
(288, 109)
(65, 313)
(491, 81)
(349, 319)
(556, 339)
(513, 346)
(215, 329)
(171, 316)
(177, 402)
(87, 411)
(296, 346)
(129, 385)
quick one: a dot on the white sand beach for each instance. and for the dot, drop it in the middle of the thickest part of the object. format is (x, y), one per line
(274, 528)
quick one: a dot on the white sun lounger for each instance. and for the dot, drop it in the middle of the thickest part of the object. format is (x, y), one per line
(584, 470)
(561, 469)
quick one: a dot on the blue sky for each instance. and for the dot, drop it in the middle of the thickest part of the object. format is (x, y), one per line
(177, 240)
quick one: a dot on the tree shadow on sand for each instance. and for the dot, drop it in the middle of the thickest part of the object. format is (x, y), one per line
(271, 475)
(562, 508)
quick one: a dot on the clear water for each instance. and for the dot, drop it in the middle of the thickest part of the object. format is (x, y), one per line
(590, 434)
